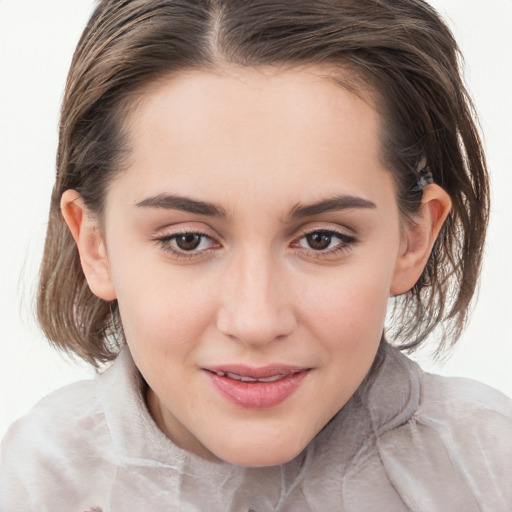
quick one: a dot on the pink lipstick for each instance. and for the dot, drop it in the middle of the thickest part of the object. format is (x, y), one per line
(256, 388)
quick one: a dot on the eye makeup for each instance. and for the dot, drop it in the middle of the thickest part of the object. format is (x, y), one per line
(187, 244)
(324, 243)
(196, 244)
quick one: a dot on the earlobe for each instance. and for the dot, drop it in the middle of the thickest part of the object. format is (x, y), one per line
(88, 238)
(419, 238)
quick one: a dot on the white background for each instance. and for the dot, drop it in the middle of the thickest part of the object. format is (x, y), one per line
(37, 39)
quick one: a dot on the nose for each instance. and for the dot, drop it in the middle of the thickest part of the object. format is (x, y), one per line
(256, 306)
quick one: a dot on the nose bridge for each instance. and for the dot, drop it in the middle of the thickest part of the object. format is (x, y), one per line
(255, 306)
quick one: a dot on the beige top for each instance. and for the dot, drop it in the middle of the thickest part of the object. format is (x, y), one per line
(406, 440)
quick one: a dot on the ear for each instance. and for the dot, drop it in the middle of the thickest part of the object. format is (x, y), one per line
(419, 238)
(87, 234)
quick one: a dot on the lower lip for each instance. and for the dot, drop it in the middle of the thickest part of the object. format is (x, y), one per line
(257, 395)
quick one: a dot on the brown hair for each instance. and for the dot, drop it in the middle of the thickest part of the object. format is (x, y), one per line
(401, 49)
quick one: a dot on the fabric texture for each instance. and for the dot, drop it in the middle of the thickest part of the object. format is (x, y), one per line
(406, 441)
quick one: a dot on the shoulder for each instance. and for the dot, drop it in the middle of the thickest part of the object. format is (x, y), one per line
(461, 397)
(59, 413)
(53, 447)
(438, 443)
(468, 413)
(474, 419)
(456, 447)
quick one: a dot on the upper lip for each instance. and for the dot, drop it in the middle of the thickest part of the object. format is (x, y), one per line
(257, 372)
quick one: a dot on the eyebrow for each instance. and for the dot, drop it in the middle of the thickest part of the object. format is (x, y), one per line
(182, 203)
(189, 205)
(344, 202)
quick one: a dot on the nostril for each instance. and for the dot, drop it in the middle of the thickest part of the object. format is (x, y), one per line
(256, 327)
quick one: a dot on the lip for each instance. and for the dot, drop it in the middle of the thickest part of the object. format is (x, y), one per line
(254, 394)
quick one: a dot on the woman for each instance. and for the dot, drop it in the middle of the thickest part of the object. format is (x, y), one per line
(298, 390)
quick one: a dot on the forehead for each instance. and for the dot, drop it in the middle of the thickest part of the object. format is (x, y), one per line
(292, 127)
(255, 91)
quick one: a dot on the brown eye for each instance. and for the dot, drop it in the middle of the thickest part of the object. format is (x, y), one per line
(188, 244)
(188, 241)
(319, 240)
(326, 242)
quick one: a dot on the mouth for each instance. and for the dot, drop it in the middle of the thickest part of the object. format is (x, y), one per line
(256, 388)
(246, 378)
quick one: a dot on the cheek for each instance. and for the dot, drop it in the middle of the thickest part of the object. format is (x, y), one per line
(347, 312)
(161, 306)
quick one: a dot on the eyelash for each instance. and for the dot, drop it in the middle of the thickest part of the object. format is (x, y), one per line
(345, 243)
(165, 243)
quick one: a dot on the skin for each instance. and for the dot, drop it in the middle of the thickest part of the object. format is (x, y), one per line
(259, 145)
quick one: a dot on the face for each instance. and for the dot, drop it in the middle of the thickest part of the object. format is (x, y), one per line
(252, 245)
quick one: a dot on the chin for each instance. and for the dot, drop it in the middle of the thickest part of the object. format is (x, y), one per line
(261, 454)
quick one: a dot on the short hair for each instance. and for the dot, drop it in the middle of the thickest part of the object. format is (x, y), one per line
(400, 51)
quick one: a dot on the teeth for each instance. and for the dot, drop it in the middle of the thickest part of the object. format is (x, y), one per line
(244, 378)
(272, 379)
